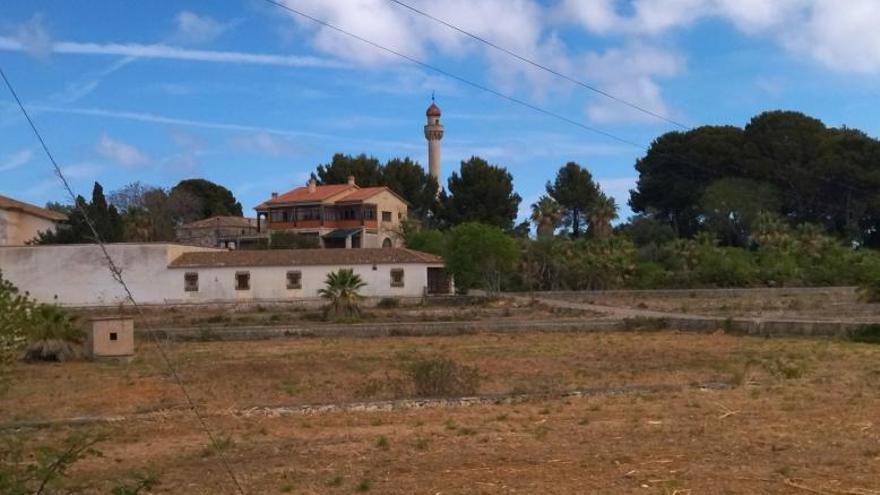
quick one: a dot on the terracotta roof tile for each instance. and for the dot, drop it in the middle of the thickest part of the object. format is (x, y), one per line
(8, 203)
(362, 194)
(302, 194)
(302, 257)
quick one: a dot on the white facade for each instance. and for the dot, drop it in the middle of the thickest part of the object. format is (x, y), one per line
(269, 283)
(77, 275)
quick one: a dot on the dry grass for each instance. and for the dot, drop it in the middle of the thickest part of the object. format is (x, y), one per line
(798, 410)
(295, 313)
(816, 304)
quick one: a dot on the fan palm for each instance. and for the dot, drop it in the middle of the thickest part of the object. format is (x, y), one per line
(341, 292)
(601, 214)
(546, 215)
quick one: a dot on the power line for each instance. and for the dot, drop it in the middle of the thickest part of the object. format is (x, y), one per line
(116, 273)
(511, 98)
(542, 66)
(461, 79)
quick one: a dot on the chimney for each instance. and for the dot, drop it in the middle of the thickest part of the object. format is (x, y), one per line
(274, 195)
(313, 185)
(351, 180)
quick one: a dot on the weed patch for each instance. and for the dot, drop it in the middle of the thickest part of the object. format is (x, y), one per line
(868, 334)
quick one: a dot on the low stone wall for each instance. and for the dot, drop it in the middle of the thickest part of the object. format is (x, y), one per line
(746, 326)
(763, 328)
(434, 328)
(713, 293)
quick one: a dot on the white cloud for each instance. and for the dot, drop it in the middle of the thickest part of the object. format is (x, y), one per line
(264, 143)
(630, 73)
(194, 28)
(164, 119)
(15, 160)
(33, 37)
(119, 152)
(515, 24)
(841, 35)
(169, 52)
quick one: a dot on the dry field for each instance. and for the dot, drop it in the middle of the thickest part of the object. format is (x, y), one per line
(293, 313)
(795, 416)
(831, 303)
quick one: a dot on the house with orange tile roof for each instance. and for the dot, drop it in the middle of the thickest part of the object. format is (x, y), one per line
(337, 215)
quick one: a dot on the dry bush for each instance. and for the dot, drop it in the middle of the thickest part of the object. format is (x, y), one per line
(442, 377)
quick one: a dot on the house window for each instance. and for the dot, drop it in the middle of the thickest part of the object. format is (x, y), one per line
(242, 280)
(397, 277)
(191, 282)
(294, 280)
(386, 216)
(113, 336)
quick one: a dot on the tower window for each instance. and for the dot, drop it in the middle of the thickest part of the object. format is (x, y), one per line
(114, 336)
(386, 216)
(242, 280)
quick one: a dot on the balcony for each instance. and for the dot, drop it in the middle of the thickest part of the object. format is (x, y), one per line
(316, 217)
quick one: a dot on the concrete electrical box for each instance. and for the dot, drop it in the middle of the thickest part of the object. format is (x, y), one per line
(111, 338)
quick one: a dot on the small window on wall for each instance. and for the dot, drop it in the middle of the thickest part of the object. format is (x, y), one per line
(294, 280)
(242, 281)
(397, 277)
(386, 216)
(191, 282)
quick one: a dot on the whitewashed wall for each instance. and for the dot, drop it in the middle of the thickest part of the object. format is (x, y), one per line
(270, 283)
(78, 276)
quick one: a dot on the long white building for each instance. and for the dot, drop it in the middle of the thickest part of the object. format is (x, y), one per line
(77, 275)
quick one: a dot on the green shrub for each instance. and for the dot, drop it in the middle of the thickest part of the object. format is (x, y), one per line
(48, 332)
(868, 334)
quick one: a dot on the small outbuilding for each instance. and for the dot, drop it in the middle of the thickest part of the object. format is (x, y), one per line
(110, 338)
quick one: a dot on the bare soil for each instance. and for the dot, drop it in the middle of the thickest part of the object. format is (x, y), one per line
(825, 304)
(798, 415)
(474, 309)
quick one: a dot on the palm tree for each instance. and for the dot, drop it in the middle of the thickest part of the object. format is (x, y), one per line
(546, 215)
(601, 214)
(341, 291)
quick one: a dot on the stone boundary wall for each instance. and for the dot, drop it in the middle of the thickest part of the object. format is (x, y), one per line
(723, 292)
(737, 326)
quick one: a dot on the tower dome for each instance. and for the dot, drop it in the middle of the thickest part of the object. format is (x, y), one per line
(433, 110)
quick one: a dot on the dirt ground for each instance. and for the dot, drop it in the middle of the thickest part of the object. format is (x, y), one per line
(297, 312)
(832, 303)
(794, 416)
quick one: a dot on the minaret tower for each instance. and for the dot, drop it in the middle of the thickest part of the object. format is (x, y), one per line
(433, 133)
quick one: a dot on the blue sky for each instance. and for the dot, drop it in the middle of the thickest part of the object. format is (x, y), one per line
(246, 95)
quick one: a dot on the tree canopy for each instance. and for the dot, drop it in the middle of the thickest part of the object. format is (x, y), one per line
(104, 217)
(820, 175)
(480, 255)
(214, 199)
(574, 190)
(366, 170)
(480, 192)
